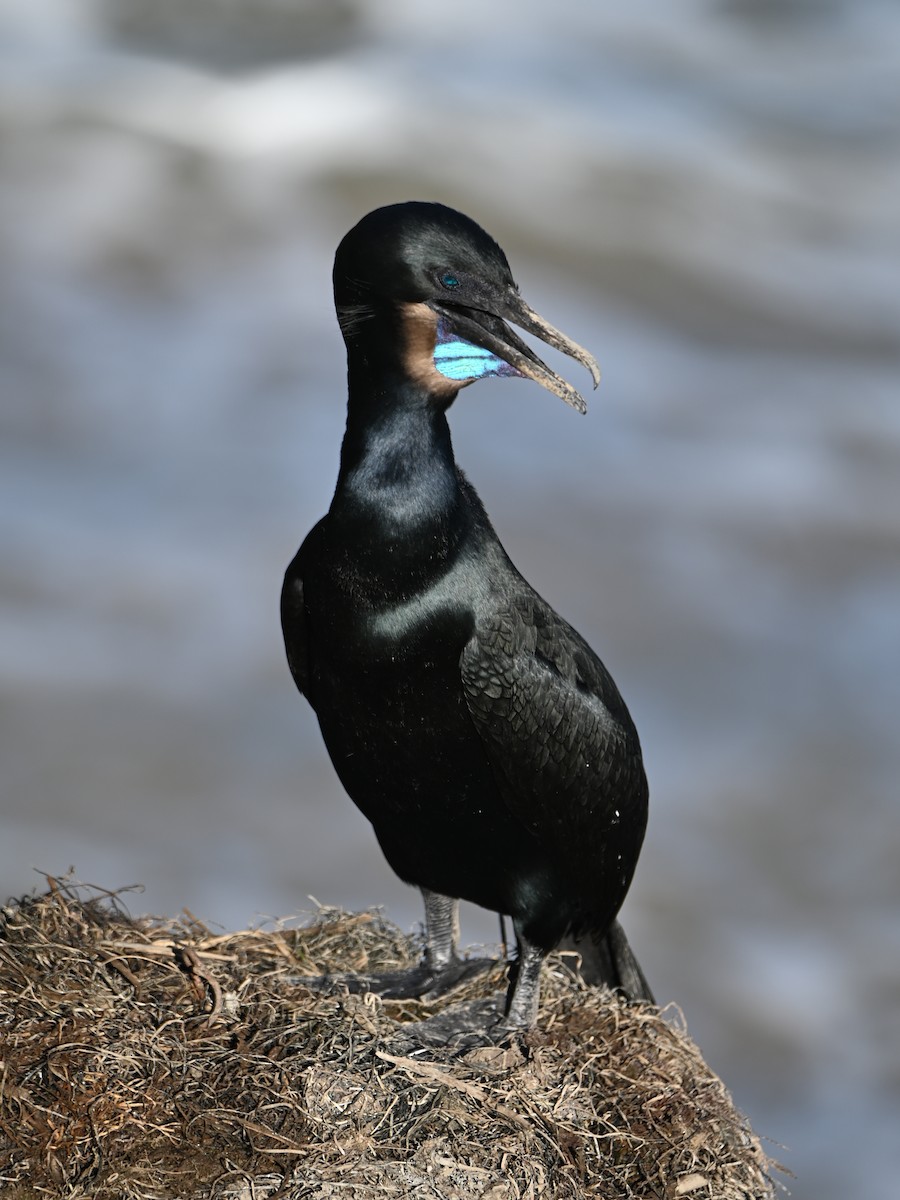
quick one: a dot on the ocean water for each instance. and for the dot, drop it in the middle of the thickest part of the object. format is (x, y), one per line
(707, 195)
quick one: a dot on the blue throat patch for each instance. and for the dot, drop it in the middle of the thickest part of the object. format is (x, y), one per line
(459, 360)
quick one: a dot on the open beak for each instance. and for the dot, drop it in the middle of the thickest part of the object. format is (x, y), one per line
(487, 327)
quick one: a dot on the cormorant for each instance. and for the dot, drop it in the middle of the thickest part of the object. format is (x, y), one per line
(475, 728)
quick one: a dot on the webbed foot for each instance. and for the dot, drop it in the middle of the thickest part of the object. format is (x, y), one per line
(424, 982)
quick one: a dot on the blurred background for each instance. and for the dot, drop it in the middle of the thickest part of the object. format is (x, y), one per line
(707, 194)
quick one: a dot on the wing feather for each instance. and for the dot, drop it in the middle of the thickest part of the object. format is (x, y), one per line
(561, 743)
(293, 626)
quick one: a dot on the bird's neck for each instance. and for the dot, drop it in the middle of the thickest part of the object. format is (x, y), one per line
(398, 482)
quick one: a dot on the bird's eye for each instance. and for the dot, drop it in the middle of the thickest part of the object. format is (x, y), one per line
(449, 281)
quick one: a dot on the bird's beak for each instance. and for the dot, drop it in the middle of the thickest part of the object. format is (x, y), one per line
(487, 327)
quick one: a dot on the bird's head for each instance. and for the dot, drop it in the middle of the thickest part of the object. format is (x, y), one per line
(435, 276)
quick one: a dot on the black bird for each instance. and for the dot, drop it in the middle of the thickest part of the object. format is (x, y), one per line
(478, 732)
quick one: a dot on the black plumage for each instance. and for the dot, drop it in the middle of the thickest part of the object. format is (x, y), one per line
(473, 726)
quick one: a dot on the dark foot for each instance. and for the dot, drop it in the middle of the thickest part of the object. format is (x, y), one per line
(421, 983)
(465, 1026)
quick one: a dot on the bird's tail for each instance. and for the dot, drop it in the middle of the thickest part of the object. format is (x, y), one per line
(611, 960)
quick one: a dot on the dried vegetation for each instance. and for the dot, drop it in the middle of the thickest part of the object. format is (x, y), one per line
(152, 1058)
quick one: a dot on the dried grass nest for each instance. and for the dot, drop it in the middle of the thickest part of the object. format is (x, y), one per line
(153, 1058)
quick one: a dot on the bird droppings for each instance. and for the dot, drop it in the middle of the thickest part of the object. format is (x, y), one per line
(151, 1058)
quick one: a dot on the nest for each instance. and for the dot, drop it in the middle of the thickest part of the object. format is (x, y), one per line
(152, 1058)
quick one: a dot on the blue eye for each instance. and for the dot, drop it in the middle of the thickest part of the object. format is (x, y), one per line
(449, 281)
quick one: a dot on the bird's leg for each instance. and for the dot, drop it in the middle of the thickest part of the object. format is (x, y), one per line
(468, 1023)
(525, 987)
(442, 964)
(473, 1022)
(441, 968)
(441, 929)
